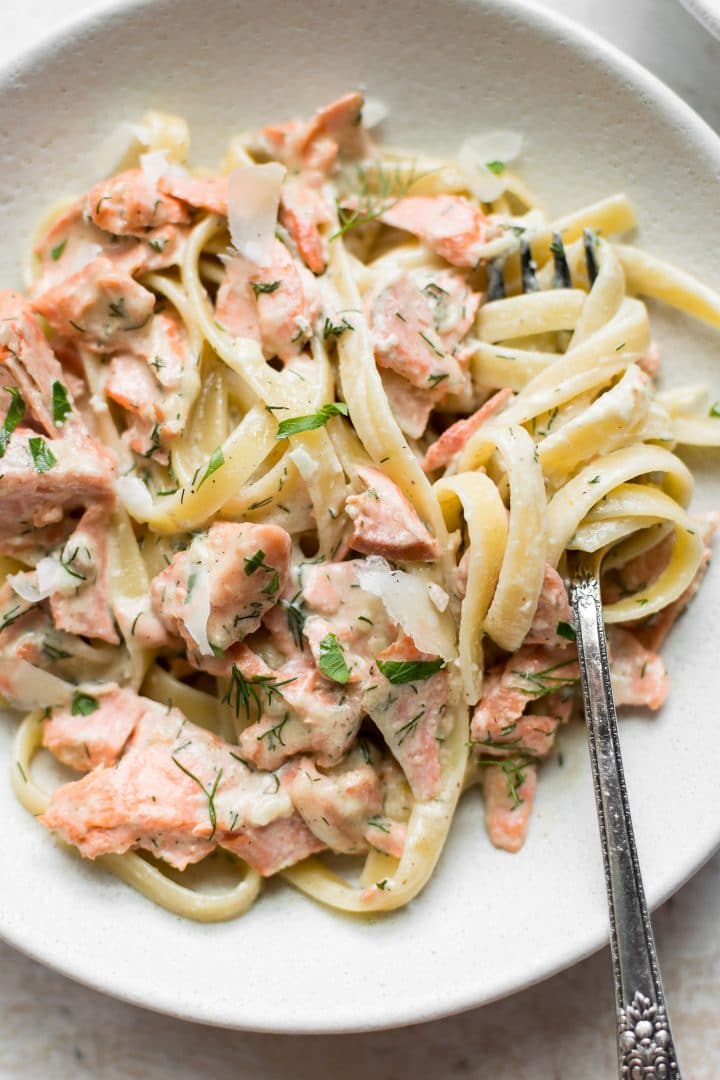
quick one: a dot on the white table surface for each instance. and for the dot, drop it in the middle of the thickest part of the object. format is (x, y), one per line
(52, 1029)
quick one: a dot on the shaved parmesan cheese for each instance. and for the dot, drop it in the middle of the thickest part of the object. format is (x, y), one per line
(135, 497)
(122, 144)
(408, 603)
(154, 165)
(305, 464)
(197, 607)
(438, 596)
(253, 200)
(30, 687)
(480, 154)
(24, 585)
(374, 111)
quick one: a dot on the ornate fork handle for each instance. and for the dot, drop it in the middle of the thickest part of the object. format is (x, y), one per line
(645, 1044)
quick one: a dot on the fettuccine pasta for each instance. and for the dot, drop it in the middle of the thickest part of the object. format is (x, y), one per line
(296, 457)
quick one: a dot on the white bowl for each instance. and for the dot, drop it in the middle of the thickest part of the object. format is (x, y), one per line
(595, 122)
(707, 12)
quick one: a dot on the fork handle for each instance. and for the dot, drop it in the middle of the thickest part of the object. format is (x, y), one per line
(645, 1043)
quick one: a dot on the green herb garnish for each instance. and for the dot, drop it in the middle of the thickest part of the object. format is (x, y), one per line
(83, 704)
(332, 661)
(406, 671)
(259, 287)
(297, 424)
(60, 403)
(565, 630)
(217, 460)
(42, 455)
(15, 413)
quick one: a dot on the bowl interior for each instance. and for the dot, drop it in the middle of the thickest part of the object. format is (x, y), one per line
(594, 123)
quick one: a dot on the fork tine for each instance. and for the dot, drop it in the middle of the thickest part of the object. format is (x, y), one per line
(496, 279)
(589, 243)
(561, 275)
(527, 267)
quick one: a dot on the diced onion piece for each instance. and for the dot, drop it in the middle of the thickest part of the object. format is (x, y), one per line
(135, 497)
(197, 609)
(408, 603)
(29, 687)
(253, 200)
(374, 111)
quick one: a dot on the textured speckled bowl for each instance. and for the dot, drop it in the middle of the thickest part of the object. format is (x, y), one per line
(707, 12)
(595, 122)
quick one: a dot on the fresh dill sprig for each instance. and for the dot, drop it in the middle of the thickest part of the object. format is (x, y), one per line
(245, 693)
(377, 190)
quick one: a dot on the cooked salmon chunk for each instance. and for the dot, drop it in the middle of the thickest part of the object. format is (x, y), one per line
(452, 440)
(209, 194)
(43, 479)
(509, 793)
(416, 324)
(83, 605)
(411, 716)
(315, 144)
(28, 363)
(95, 735)
(386, 523)
(177, 791)
(216, 591)
(273, 303)
(552, 622)
(344, 806)
(452, 226)
(102, 305)
(303, 212)
(130, 204)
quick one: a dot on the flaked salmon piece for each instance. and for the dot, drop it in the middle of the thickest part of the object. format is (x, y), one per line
(28, 363)
(73, 242)
(452, 226)
(453, 439)
(410, 405)
(405, 337)
(276, 846)
(43, 479)
(222, 585)
(509, 795)
(158, 384)
(531, 733)
(101, 304)
(274, 304)
(207, 193)
(85, 610)
(131, 384)
(638, 674)
(85, 740)
(130, 204)
(315, 144)
(553, 611)
(386, 523)
(344, 806)
(139, 623)
(303, 210)
(527, 675)
(178, 791)
(308, 714)
(335, 603)
(30, 635)
(643, 569)
(652, 633)
(413, 717)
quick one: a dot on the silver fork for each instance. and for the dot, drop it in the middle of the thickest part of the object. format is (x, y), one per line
(645, 1044)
